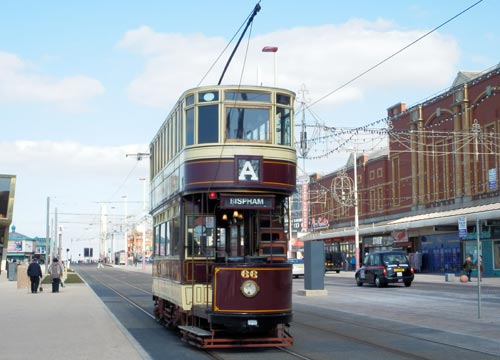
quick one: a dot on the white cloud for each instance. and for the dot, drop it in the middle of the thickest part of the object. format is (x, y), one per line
(323, 58)
(174, 63)
(74, 176)
(69, 158)
(21, 83)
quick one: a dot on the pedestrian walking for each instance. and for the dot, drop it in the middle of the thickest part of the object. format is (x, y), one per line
(467, 266)
(56, 272)
(353, 263)
(99, 264)
(35, 273)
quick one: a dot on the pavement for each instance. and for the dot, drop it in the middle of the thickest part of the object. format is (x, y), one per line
(71, 324)
(75, 324)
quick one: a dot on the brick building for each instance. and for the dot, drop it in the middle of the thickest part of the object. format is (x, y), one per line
(441, 167)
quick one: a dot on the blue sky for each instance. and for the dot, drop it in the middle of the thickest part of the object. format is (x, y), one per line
(82, 84)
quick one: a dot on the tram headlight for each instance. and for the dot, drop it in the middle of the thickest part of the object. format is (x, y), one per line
(249, 288)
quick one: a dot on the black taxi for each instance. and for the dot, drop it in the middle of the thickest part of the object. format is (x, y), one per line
(383, 267)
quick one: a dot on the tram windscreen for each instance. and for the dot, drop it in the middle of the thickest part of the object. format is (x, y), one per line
(247, 124)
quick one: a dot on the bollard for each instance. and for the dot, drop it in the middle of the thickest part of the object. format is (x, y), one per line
(449, 277)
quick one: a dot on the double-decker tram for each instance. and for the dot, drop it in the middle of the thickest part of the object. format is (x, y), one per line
(223, 167)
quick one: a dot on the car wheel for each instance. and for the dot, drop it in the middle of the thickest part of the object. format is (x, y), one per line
(358, 281)
(407, 283)
(338, 271)
(378, 282)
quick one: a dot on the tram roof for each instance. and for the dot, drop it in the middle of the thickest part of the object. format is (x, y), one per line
(237, 87)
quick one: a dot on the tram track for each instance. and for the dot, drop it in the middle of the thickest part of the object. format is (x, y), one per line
(121, 294)
(343, 330)
(361, 328)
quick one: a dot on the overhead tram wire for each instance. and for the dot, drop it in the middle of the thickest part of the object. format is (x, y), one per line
(124, 181)
(487, 138)
(394, 54)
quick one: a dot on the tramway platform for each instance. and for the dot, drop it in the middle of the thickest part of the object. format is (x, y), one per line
(71, 324)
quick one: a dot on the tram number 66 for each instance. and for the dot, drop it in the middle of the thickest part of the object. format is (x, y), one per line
(249, 274)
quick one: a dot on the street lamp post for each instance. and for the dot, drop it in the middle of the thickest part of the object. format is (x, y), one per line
(273, 49)
(144, 220)
(356, 218)
(47, 237)
(125, 226)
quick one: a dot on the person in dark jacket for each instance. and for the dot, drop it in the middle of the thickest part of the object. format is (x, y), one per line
(56, 273)
(35, 274)
(467, 266)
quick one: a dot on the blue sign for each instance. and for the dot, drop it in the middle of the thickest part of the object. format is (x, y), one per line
(462, 227)
(492, 179)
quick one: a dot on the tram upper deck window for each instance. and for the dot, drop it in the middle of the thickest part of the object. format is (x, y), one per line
(283, 130)
(248, 96)
(208, 96)
(190, 126)
(282, 99)
(247, 124)
(208, 124)
(189, 100)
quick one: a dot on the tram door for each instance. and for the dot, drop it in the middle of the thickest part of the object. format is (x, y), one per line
(236, 239)
(232, 234)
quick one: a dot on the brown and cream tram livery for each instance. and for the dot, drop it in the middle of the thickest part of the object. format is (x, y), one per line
(223, 167)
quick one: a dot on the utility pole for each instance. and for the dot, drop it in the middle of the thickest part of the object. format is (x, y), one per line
(478, 265)
(356, 217)
(59, 247)
(104, 232)
(53, 247)
(47, 237)
(144, 215)
(125, 229)
(139, 157)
